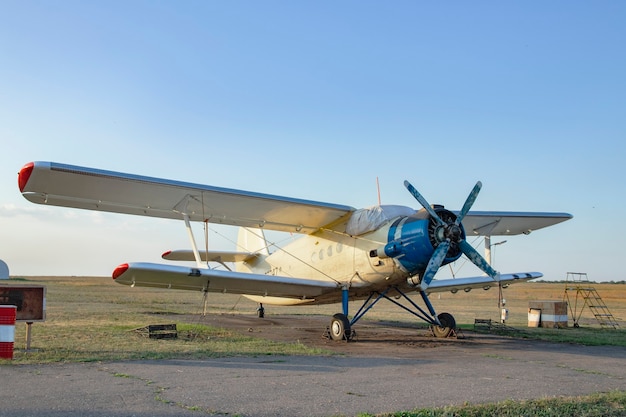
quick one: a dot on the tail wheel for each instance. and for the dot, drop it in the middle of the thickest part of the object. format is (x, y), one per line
(340, 327)
(448, 324)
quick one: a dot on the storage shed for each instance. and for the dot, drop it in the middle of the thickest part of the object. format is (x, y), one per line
(553, 313)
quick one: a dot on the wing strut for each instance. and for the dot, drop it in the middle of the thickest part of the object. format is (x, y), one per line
(194, 247)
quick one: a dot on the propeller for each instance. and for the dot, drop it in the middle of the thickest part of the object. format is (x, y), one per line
(450, 233)
(469, 202)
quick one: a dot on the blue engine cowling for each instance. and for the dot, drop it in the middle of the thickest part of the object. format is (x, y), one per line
(412, 240)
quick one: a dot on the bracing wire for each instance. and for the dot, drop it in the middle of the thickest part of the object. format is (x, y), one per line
(474, 243)
(277, 246)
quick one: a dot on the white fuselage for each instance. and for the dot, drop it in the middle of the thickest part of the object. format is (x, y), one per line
(328, 256)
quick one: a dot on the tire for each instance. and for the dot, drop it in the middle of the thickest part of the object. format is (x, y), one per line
(340, 327)
(448, 324)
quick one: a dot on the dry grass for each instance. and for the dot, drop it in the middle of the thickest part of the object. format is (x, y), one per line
(91, 319)
(612, 404)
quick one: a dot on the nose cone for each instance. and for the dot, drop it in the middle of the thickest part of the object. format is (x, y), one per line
(454, 233)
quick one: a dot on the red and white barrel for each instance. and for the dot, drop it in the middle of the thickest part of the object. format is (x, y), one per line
(7, 331)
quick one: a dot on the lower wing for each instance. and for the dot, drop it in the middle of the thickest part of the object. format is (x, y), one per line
(484, 282)
(305, 290)
(213, 280)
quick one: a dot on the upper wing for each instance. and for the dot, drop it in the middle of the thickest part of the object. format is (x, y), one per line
(485, 282)
(212, 280)
(493, 223)
(94, 189)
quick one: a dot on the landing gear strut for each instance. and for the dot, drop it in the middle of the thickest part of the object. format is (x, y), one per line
(340, 327)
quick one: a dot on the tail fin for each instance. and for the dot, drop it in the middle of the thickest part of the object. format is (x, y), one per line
(252, 240)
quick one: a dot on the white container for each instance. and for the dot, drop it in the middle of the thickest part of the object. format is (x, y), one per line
(534, 316)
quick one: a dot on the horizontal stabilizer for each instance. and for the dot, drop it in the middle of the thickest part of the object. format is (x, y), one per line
(211, 256)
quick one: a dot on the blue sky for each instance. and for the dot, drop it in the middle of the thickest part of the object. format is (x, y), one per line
(316, 100)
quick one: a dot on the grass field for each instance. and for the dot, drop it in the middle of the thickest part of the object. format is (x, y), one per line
(93, 319)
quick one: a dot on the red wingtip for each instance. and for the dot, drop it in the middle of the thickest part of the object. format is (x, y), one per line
(24, 175)
(165, 254)
(120, 270)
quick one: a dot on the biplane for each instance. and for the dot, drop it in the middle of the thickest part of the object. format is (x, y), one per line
(344, 254)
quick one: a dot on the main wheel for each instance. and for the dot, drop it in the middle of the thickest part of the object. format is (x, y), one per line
(448, 324)
(340, 327)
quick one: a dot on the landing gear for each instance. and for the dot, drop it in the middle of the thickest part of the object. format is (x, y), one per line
(448, 325)
(340, 327)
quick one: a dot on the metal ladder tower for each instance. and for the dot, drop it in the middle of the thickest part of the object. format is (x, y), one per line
(579, 283)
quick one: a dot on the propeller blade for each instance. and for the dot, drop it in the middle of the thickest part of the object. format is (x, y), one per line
(478, 260)
(423, 202)
(469, 202)
(434, 264)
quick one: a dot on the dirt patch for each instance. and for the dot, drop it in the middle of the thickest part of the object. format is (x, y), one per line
(372, 338)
